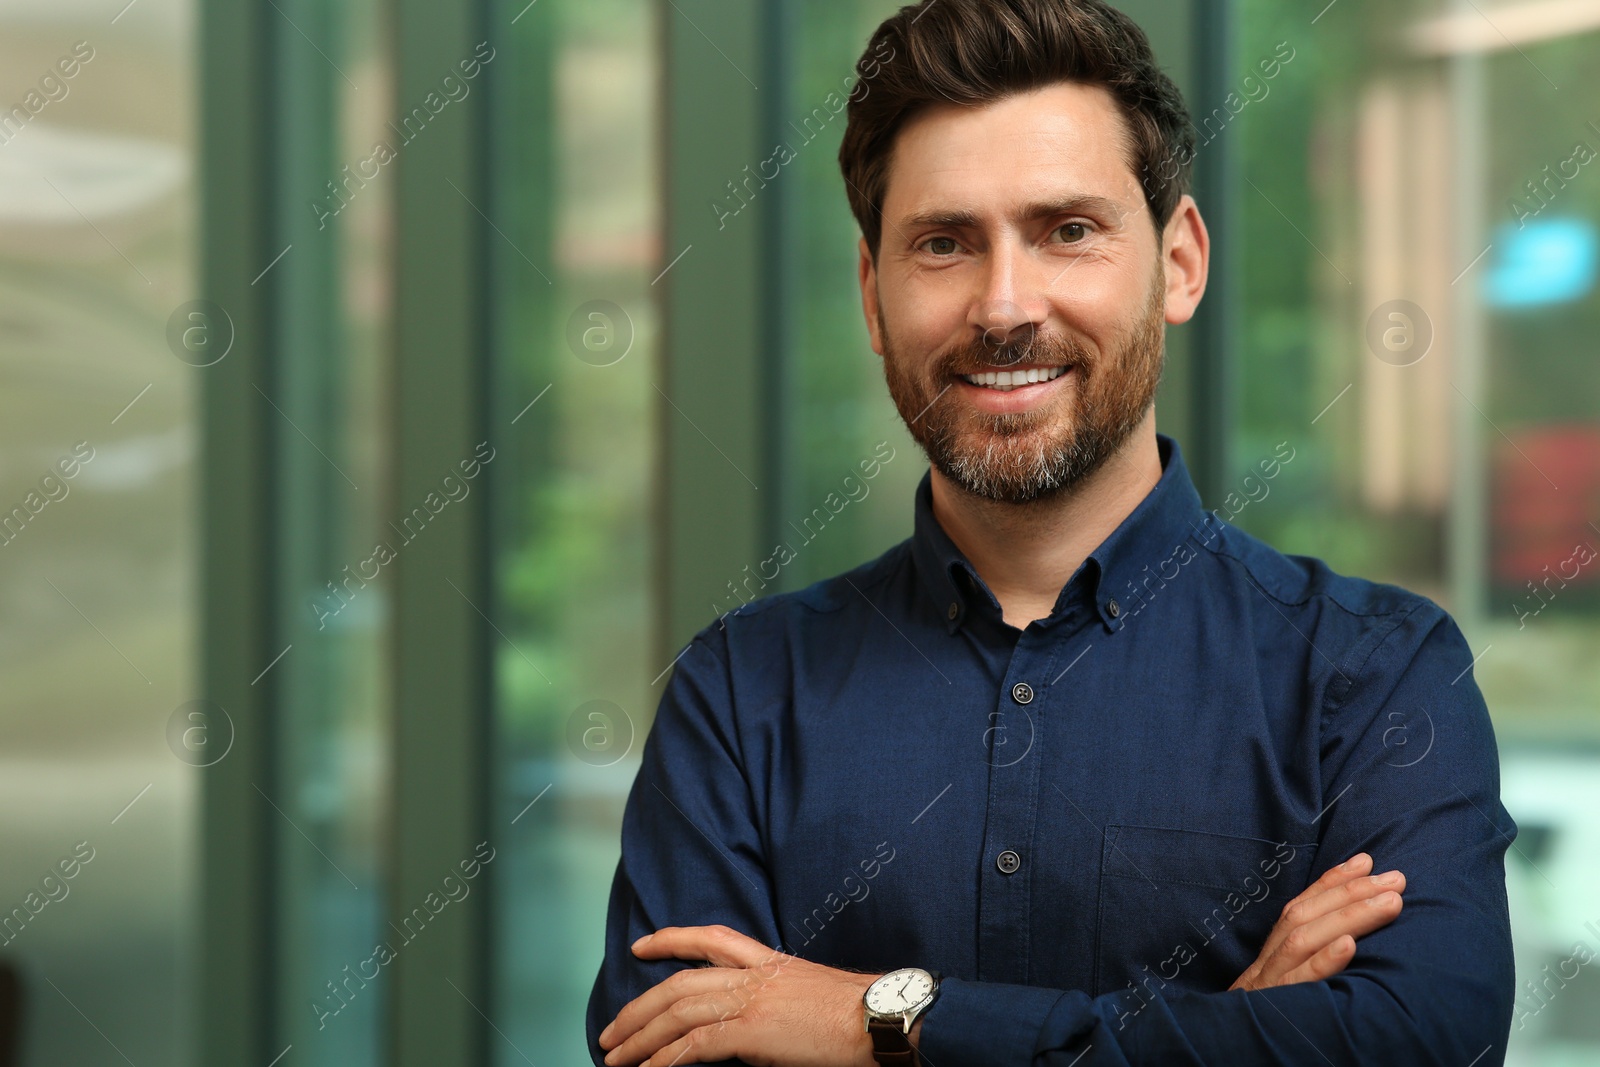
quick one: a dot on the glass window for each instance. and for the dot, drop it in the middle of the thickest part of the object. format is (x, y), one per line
(575, 197)
(1419, 255)
(97, 534)
(327, 803)
(839, 408)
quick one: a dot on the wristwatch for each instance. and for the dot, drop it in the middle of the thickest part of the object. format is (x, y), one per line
(892, 1004)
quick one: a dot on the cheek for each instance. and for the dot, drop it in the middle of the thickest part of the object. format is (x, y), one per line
(924, 306)
(1101, 298)
(1103, 326)
(912, 331)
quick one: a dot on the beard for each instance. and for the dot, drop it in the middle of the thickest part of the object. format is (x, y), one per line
(1023, 456)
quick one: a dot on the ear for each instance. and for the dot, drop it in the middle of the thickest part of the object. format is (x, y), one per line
(1186, 256)
(868, 278)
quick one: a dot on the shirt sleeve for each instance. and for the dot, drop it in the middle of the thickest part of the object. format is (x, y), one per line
(691, 851)
(1411, 775)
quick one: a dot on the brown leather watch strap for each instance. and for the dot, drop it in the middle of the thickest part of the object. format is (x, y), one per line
(891, 1047)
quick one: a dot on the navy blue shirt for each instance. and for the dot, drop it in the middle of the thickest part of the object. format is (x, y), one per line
(1088, 826)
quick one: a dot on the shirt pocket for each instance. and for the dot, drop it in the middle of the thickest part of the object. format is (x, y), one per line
(1189, 908)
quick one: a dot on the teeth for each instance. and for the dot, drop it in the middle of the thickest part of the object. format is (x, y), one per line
(1005, 380)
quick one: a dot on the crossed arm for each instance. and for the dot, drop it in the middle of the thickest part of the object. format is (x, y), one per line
(1432, 987)
(769, 1008)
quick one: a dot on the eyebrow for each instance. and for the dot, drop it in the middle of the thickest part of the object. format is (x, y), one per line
(1040, 209)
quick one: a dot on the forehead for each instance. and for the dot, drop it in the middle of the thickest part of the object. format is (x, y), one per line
(1065, 138)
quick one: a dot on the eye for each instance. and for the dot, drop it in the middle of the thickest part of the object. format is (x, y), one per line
(1073, 232)
(931, 243)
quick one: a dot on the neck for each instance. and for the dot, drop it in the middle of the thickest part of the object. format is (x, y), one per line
(1025, 553)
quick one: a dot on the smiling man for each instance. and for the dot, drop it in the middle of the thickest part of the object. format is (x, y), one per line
(1067, 777)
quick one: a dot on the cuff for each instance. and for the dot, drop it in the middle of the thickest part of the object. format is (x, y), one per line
(985, 1024)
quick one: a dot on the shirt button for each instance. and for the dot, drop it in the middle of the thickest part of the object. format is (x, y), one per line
(1008, 862)
(953, 610)
(1022, 693)
(1113, 608)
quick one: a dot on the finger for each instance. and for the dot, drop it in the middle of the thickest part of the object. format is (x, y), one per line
(719, 944)
(704, 1014)
(1300, 908)
(1329, 901)
(1324, 964)
(708, 1044)
(659, 998)
(1356, 920)
(1328, 893)
(1333, 878)
(1354, 867)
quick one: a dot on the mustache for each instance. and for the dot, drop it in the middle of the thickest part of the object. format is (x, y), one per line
(1045, 349)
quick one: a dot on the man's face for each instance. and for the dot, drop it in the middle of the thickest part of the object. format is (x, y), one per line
(1016, 241)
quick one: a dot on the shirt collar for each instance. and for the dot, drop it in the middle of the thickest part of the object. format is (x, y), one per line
(1114, 575)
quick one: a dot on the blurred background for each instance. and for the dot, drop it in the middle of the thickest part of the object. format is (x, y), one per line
(390, 388)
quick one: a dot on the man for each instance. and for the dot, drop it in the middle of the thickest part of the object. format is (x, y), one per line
(1037, 784)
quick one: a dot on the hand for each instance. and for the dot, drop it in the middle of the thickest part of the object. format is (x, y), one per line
(1315, 937)
(755, 1004)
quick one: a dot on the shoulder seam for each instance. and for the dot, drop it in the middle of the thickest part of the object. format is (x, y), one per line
(1333, 702)
(1325, 595)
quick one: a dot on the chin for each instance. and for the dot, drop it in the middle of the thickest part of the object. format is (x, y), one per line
(1017, 476)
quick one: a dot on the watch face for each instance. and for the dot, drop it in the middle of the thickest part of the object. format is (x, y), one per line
(899, 991)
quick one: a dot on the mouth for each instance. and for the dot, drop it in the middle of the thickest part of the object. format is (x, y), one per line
(1014, 390)
(1015, 378)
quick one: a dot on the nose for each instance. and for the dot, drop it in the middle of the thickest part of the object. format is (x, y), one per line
(1009, 307)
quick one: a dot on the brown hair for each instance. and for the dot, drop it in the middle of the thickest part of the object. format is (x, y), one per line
(975, 52)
